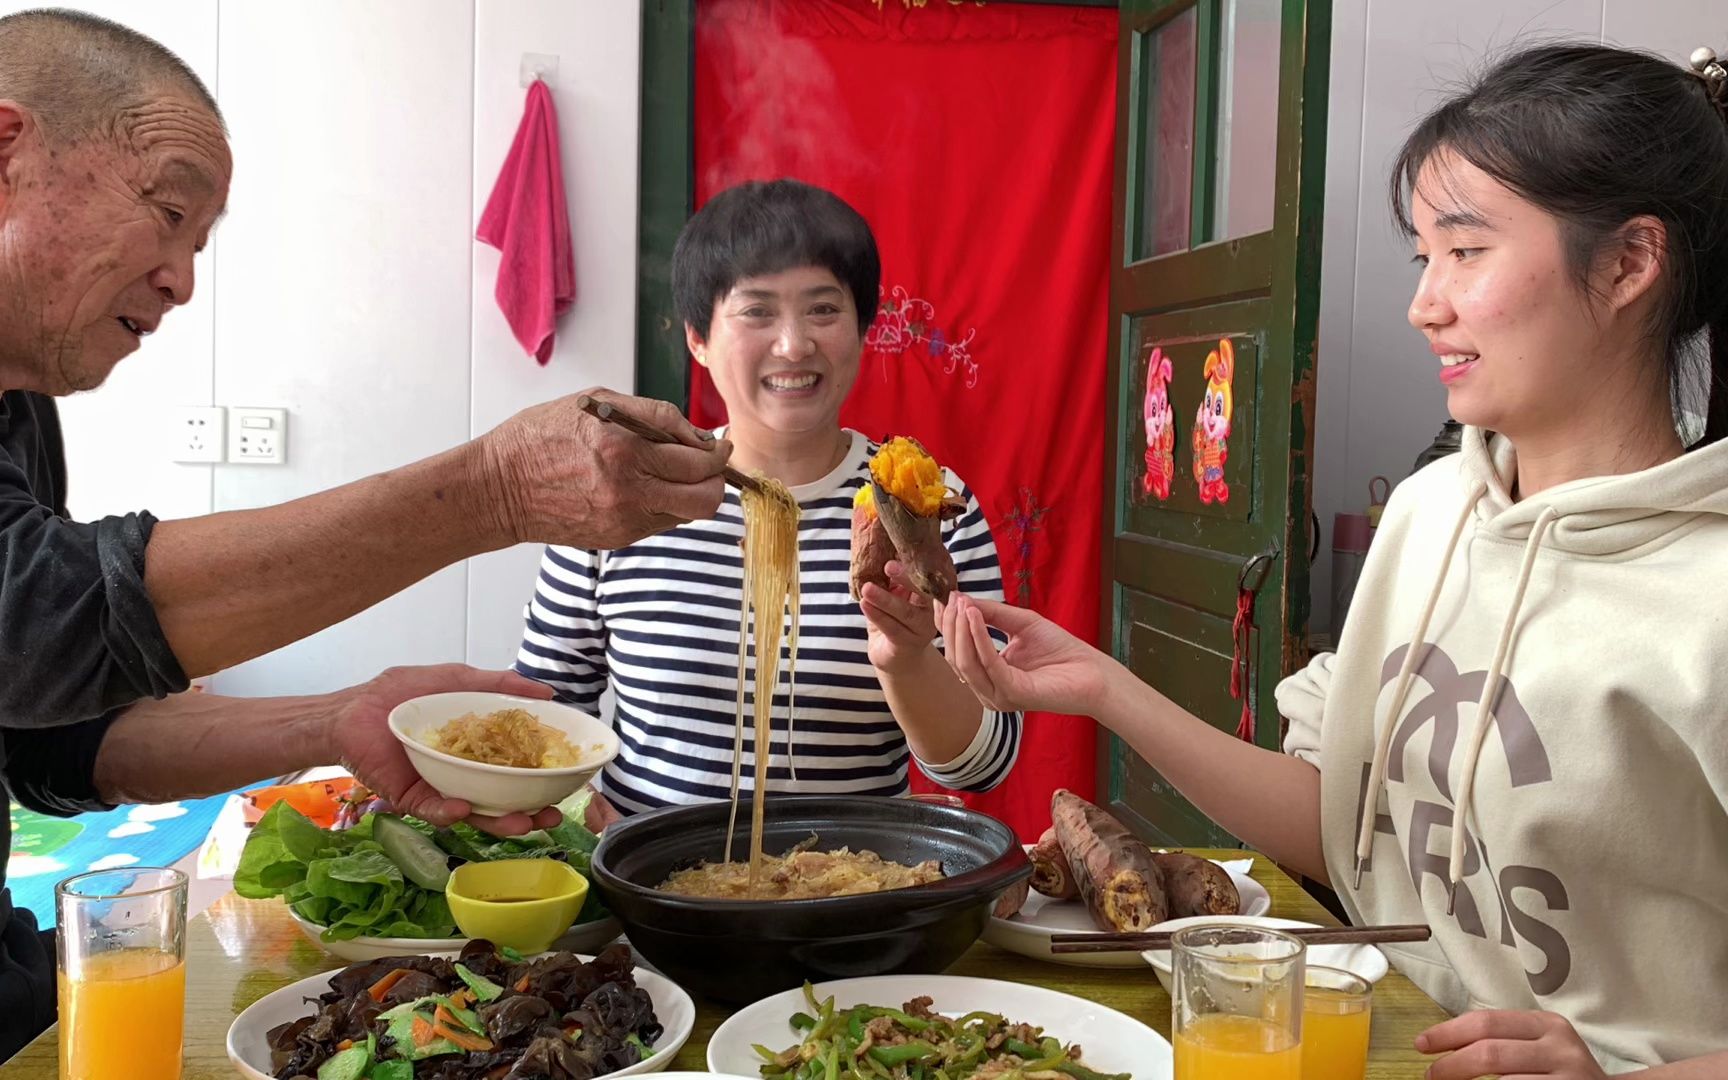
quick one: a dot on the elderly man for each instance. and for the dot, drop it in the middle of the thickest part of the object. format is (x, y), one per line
(114, 167)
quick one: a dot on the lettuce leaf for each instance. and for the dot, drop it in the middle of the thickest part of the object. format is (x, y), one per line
(276, 854)
(343, 881)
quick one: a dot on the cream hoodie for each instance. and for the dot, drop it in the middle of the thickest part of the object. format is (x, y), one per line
(1592, 874)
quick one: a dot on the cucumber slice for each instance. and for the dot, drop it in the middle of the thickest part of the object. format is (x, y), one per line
(350, 1064)
(420, 860)
(457, 844)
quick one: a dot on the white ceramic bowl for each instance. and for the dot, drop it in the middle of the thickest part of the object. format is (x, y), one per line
(249, 1047)
(588, 937)
(500, 789)
(1364, 960)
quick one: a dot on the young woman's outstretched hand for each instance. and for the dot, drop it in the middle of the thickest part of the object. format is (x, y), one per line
(1043, 668)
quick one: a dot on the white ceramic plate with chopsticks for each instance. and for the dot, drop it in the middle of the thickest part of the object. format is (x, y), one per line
(249, 1044)
(1113, 1042)
(1028, 933)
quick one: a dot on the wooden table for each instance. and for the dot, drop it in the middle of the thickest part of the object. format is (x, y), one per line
(240, 950)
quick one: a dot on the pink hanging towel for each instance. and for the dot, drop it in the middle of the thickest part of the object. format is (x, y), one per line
(527, 221)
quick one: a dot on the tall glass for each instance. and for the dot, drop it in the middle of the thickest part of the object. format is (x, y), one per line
(122, 946)
(1336, 1007)
(1237, 1004)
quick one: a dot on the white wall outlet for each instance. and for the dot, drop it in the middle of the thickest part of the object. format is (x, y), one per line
(257, 436)
(196, 434)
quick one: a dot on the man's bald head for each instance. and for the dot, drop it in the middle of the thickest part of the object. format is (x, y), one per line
(78, 74)
(114, 167)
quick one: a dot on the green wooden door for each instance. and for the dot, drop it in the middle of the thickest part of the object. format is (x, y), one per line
(1219, 162)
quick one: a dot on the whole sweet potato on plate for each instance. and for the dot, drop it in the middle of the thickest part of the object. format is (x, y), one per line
(1121, 884)
(1010, 903)
(1197, 886)
(1051, 874)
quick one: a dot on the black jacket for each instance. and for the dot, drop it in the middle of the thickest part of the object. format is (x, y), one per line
(79, 641)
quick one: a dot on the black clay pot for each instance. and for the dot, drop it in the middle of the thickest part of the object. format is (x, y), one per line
(742, 950)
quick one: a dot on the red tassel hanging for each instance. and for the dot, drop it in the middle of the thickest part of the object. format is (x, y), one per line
(1239, 661)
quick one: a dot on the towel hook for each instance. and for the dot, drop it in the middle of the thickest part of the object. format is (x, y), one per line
(542, 66)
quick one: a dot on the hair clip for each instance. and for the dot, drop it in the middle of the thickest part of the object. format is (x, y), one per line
(1708, 67)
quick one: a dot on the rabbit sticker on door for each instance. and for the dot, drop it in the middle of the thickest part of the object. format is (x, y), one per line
(1212, 425)
(1160, 420)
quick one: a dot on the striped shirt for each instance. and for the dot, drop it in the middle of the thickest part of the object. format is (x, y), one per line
(657, 623)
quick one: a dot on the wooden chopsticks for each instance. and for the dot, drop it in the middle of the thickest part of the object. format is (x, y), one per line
(604, 410)
(1315, 935)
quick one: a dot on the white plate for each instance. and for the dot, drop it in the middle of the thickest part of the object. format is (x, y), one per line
(589, 938)
(1028, 933)
(1364, 960)
(1113, 1042)
(249, 1049)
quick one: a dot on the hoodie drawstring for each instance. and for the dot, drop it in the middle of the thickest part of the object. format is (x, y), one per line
(1383, 742)
(1485, 706)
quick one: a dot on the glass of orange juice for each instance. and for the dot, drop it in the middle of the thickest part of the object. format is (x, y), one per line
(1236, 1008)
(1336, 1006)
(122, 973)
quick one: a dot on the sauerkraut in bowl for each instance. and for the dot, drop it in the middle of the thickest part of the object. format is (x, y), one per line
(478, 747)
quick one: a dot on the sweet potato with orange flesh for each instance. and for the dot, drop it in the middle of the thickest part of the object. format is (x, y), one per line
(1121, 885)
(1197, 886)
(1051, 874)
(871, 548)
(907, 471)
(899, 515)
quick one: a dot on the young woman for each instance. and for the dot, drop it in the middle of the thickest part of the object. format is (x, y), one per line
(1523, 737)
(776, 284)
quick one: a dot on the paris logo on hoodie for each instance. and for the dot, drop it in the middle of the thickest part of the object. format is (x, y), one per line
(1450, 692)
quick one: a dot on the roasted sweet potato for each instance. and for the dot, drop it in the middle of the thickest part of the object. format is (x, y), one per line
(1011, 902)
(1197, 886)
(871, 548)
(1122, 886)
(899, 515)
(907, 471)
(1051, 874)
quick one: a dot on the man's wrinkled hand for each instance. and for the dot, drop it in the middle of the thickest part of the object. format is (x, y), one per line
(368, 749)
(558, 475)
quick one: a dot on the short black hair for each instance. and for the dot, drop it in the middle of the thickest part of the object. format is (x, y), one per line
(766, 226)
(79, 73)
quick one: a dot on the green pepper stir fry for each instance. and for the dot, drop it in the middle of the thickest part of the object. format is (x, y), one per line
(868, 1042)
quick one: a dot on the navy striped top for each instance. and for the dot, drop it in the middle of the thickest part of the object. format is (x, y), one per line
(657, 624)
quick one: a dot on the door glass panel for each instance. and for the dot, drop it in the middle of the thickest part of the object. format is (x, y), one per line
(1247, 118)
(1168, 59)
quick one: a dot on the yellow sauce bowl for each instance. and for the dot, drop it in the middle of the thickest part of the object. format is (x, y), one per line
(526, 904)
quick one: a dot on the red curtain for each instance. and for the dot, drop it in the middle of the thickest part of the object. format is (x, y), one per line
(978, 142)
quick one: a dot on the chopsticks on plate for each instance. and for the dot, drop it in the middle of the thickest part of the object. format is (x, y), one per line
(1311, 935)
(606, 411)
